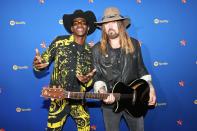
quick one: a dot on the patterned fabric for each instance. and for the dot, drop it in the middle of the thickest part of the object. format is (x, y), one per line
(69, 60)
(59, 111)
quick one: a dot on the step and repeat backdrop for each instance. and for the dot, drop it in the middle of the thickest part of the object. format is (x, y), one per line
(167, 32)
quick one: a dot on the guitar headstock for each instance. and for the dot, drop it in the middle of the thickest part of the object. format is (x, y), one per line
(55, 93)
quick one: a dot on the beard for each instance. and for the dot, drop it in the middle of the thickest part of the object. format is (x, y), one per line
(112, 34)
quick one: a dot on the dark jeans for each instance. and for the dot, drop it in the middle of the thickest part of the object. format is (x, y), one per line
(112, 120)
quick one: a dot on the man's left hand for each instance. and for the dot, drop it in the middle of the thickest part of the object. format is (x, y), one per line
(87, 77)
(152, 95)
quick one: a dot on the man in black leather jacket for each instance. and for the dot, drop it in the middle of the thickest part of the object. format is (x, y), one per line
(117, 58)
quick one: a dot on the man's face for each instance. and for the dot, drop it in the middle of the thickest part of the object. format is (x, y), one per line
(79, 27)
(111, 29)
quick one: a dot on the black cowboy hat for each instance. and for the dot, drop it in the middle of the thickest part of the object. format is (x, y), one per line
(88, 16)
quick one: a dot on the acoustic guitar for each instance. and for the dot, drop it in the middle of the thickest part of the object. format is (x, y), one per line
(132, 98)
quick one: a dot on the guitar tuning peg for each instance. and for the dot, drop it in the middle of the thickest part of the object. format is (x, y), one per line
(52, 99)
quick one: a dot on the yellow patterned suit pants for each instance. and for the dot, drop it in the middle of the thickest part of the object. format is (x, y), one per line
(59, 111)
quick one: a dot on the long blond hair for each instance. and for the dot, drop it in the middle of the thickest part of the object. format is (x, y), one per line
(125, 41)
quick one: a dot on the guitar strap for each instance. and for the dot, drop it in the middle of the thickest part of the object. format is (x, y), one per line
(84, 98)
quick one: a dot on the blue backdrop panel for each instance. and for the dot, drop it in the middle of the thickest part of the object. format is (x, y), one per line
(165, 28)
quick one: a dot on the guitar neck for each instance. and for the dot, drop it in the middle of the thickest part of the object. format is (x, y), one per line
(81, 95)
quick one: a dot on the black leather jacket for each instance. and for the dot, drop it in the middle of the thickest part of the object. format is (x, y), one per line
(113, 68)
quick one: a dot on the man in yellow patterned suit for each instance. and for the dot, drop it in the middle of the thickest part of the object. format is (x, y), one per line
(72, 71)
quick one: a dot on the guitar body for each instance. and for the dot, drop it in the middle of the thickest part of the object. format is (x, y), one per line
(134, 97)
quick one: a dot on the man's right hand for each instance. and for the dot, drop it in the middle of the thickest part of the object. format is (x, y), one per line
(38, 62)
